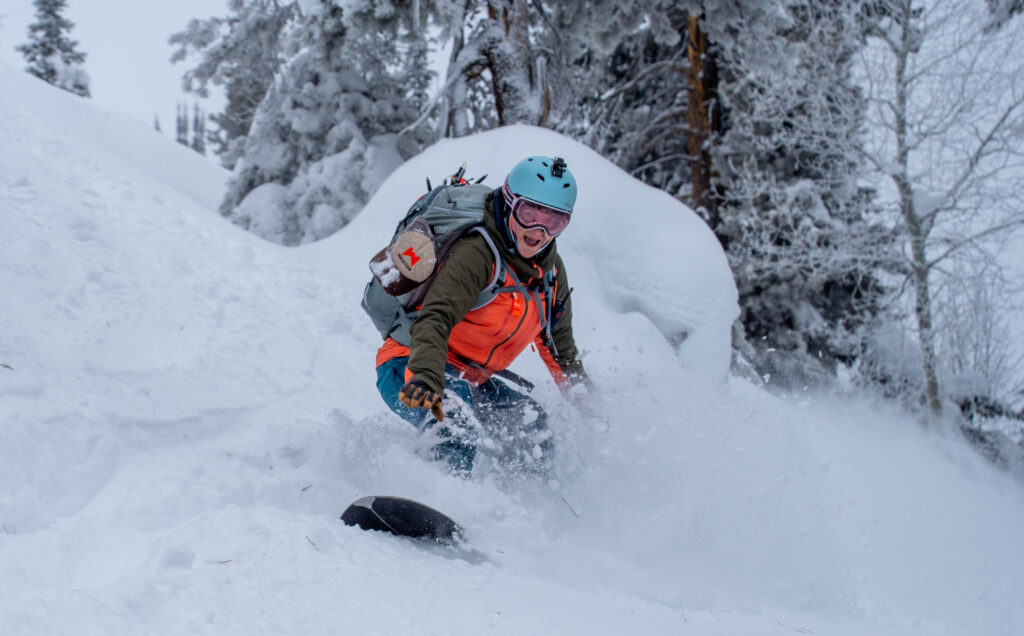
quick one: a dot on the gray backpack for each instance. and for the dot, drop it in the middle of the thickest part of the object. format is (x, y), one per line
(404, 270)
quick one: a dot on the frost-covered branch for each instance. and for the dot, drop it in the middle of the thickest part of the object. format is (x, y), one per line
(953, 245)
(984, 148)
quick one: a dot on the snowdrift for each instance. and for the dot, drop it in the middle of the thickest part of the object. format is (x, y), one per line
(186, 409)
(629, 249)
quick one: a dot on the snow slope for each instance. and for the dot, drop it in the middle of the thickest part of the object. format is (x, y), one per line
(186, 409)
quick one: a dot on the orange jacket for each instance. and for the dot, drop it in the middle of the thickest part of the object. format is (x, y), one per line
(490, 338)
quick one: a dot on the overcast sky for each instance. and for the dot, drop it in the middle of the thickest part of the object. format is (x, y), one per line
(128, 57)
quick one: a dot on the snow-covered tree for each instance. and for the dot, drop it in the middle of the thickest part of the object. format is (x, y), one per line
(548, 63)
(805, 245)
(330, 128)
(975, 304)
(498, 72)
(945, 135)
(1002, 10)
(628, 68)
(240, 53)
(746, 111)
(51, 54)
(645, 77)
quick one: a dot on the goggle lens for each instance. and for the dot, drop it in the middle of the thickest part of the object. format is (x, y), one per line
(530, 215)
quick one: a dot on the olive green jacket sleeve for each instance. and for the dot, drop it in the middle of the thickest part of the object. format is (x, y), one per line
(565, 354)
(463, 274)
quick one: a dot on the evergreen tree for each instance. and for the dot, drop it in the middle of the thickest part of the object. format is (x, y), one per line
(198, 130)
(156, 122)
(336, 121)
(241, 53)
(629, 68)
(181, 127)
(796, 225)
(50, 53)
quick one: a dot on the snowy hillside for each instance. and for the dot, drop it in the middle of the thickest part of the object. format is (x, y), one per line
(186, 410)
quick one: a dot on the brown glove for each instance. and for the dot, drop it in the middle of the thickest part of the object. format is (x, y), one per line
(417, 395)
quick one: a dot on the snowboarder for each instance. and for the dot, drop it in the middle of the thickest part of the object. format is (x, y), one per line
(444, 382)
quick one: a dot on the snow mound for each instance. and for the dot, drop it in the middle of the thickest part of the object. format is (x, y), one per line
(642, 250)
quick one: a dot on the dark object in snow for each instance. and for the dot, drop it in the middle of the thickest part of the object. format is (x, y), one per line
(402, 517)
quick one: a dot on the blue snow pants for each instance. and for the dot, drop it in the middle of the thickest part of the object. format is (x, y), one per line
(493, 413)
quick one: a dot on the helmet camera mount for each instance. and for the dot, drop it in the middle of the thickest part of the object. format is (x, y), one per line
(558, 167)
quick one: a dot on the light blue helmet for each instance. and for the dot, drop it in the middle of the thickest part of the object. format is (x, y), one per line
(544, 180)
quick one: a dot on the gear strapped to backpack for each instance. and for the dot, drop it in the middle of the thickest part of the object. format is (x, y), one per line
(404, 270)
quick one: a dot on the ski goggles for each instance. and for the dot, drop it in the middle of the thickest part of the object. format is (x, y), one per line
(532, 215)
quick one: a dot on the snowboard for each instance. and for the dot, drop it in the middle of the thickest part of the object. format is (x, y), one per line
(402, 517)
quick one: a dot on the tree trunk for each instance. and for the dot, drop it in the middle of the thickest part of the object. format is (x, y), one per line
(520, 93)
(922, 293)
(923, 311)
(916, 231)
(702, 117)
(453, 116)
(501, 47)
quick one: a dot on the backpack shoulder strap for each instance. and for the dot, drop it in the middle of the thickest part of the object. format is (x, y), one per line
(495, 285)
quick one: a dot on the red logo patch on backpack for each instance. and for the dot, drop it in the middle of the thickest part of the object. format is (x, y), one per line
(413, 259)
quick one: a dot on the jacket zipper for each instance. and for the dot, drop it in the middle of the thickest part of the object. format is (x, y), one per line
(510, 336)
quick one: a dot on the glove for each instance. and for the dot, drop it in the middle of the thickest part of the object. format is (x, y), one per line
(417, 395)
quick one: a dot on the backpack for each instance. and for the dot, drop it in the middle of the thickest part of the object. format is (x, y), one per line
(404, 270)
